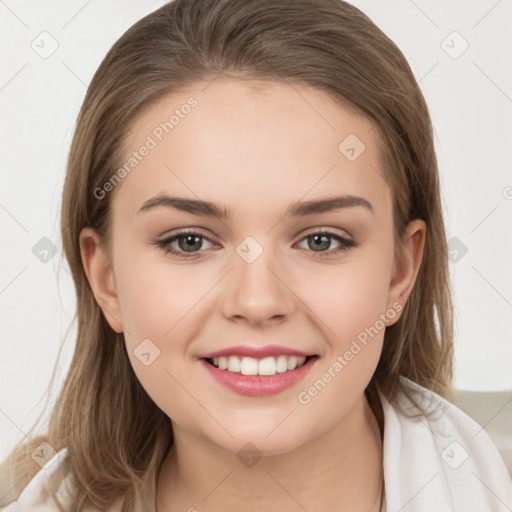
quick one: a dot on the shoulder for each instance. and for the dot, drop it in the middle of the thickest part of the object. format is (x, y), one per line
(51, 483)
(51, 490)
(439, 458)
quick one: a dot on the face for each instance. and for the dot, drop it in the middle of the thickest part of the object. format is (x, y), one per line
(319, 281)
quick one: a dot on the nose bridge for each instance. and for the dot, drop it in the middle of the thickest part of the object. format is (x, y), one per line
(258, 288)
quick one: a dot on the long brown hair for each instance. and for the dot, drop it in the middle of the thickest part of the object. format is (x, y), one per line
(117, 437)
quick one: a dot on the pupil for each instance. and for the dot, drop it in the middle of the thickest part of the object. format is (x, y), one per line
(191, 242)
(318, 241)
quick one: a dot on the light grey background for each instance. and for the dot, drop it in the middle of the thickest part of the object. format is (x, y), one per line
(470, 99)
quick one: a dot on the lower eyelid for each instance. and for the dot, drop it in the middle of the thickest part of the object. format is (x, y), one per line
(344, 243)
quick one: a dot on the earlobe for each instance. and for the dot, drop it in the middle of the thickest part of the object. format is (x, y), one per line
(407, 265)
(100, 275)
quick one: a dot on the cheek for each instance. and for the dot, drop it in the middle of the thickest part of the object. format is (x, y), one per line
(160, 303)
(154, 298)
(348, 300)
(351, 316)
(157, 304)
(351, 306)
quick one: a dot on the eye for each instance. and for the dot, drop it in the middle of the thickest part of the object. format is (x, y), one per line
(188, 242)
(319, 242)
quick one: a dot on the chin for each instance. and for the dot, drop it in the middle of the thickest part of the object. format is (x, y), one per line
(258, 443)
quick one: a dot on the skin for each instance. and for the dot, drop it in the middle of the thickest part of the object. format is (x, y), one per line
(257, 147)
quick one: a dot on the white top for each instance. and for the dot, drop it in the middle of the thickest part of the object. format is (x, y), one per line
(445, 464)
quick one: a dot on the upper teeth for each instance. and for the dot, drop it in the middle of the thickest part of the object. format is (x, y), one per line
(265, 366)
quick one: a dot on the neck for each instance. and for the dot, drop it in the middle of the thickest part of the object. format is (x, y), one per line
(337, 471)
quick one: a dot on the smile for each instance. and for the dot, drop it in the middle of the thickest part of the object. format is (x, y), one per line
(250, 376)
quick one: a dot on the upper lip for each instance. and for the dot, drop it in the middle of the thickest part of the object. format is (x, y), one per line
(256, 352)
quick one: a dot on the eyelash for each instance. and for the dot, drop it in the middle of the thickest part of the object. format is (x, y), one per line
(165, 244)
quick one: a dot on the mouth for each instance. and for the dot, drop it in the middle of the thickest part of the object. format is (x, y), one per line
(255, 377)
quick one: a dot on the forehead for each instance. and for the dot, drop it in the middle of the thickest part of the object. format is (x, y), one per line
(249, 143)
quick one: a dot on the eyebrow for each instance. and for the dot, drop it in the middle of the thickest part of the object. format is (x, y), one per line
(297, 209)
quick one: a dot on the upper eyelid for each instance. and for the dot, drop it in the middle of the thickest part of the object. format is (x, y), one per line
(187, 233)
(197, 231)
(329, 231)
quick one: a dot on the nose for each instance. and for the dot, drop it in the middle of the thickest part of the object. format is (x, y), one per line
(258, 292)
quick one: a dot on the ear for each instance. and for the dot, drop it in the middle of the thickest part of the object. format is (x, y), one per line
(407, 264)
(100, 275)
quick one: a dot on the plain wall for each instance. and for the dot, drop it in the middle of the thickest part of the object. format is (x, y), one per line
(469, 95)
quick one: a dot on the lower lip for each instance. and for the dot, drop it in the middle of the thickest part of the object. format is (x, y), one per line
(259, 385)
